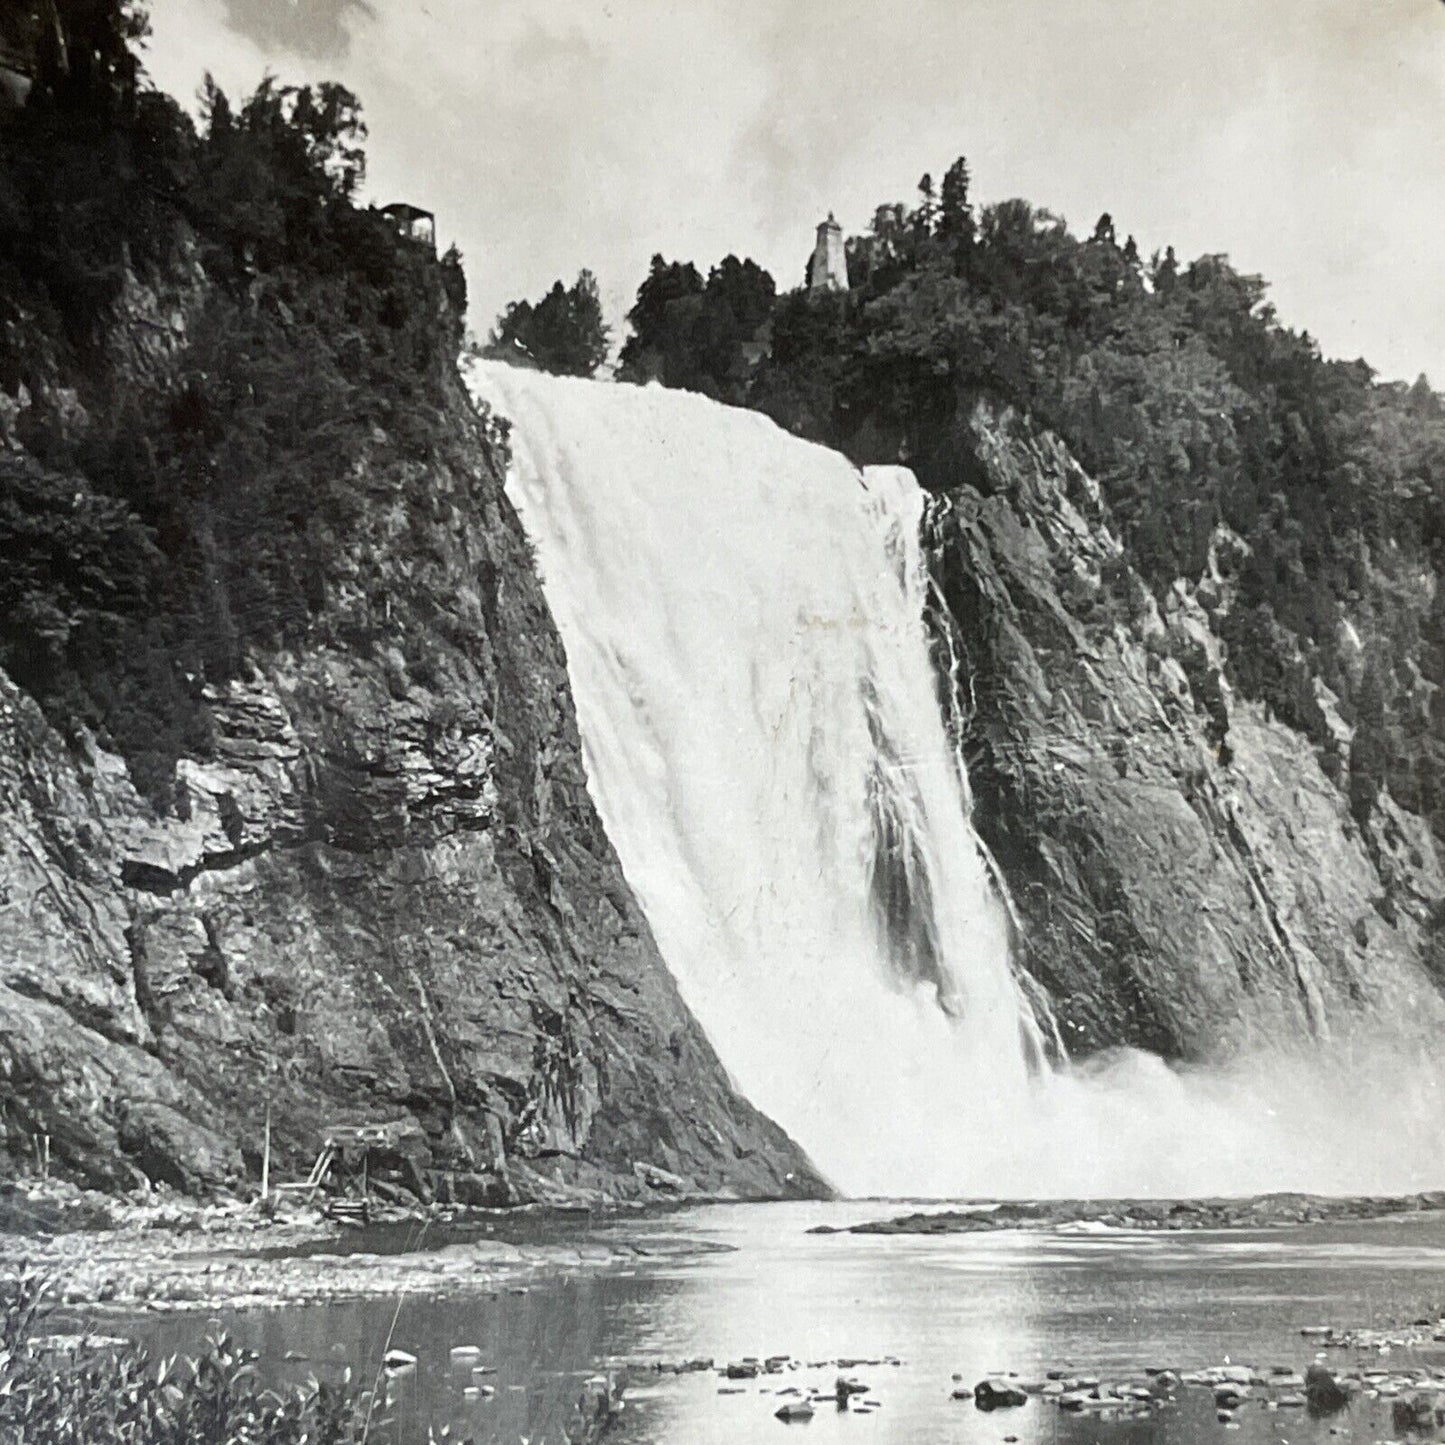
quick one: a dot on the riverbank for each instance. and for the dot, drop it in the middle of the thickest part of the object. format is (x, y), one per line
(165, 1252)
(1265, 1211)
(114, 1256)
(508, 1315)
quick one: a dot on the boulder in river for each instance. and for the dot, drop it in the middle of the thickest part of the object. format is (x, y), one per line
(997, 1395)
(1413, 1412)
(1323, 1393)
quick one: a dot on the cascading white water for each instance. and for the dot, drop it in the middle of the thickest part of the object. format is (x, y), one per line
(743, 617)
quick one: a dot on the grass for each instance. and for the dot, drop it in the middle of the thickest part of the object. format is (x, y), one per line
(70, 1394)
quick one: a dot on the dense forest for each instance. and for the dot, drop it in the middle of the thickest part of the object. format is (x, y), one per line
(1304, 497)
(160, 514)
(154, 533)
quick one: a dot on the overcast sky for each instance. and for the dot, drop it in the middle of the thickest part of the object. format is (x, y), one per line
(1304, 137)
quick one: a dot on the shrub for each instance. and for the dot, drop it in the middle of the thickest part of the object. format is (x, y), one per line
(74, 1395)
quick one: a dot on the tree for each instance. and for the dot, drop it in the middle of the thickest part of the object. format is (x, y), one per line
(926, 216)
(85, 53)
(1164, 271)
(955, 209)
(654, 316)
(562, 333)
(699, 335)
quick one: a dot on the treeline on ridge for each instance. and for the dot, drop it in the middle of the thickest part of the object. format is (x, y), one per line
(163, 512)
(1223, 440)
(158, 523)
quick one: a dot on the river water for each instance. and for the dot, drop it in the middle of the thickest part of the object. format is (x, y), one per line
(754, 1282)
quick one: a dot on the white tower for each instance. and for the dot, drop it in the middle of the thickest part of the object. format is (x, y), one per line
(828, 270)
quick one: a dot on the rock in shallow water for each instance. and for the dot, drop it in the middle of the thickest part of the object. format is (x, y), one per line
(1323, 1392)
(795, 1410)
(997, 1395)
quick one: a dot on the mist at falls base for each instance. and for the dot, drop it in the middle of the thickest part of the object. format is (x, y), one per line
(743, 614)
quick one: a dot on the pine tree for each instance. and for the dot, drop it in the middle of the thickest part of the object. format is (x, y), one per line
(1164, 273)
(562, 333)
(85, 53)
(955, 210)
(925, 218)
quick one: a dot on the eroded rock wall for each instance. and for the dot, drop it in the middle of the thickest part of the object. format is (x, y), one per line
(382, 893)
(1188, 874)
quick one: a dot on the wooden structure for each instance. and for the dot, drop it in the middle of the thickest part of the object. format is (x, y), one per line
(413, 222)
(346, 1162)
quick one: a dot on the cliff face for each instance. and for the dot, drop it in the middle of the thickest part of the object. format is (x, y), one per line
(1187, 871)
(382, 893)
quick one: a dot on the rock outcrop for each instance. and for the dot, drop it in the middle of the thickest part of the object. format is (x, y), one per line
(382, 893)
(1187, 872)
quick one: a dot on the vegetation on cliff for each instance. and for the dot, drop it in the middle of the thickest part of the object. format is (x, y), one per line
(562, 333)
(255, 541)
(160, 518)
(696, 334)
(1305, 494)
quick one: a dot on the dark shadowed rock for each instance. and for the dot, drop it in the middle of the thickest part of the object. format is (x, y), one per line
(1414, 1413)
(1324, 1395)
(382, 894)
(997, 1395)
(1186, 867)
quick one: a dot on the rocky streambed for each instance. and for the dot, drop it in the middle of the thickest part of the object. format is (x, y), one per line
(173, 1253)
(110, 1257)
(729, 1323)
(1413, 1394)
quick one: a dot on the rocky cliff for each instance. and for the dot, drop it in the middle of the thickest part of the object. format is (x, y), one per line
(376, 891)
(1186, 869)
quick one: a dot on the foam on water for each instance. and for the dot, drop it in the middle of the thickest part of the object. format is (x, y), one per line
(743, 618)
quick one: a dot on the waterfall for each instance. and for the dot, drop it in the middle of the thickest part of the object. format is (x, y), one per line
(743, 614)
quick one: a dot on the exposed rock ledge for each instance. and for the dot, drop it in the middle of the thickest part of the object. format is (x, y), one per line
(384, 894)
(1266, 1211)
(1187, 871)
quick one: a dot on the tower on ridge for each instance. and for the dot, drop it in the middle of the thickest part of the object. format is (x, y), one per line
(828, 268)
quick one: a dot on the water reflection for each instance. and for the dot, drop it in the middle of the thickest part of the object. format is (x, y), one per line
(967, 1304)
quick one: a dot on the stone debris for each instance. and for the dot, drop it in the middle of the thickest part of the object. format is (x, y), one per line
(997, 1395)
(795, 1410)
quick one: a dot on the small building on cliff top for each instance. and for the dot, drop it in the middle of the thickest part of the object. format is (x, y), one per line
(412, 222)
(828, 265)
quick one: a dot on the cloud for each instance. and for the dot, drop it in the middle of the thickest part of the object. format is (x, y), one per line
(316, 29)
(1302, 137)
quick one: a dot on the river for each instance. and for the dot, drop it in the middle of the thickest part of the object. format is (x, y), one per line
(1105, 1303)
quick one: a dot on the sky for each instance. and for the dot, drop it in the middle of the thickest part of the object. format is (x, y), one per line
(1305, 138)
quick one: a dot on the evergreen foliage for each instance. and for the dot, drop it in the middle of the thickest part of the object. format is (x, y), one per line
(163, 513)
(702, 336)
(1305, 494)
(562, 333)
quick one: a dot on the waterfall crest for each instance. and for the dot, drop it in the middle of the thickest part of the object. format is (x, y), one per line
(744, 620)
